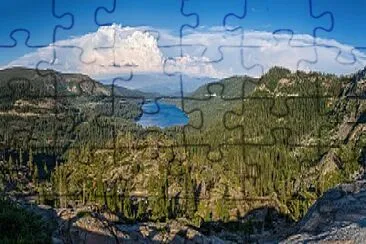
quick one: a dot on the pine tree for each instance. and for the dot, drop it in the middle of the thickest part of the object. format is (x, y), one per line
(58, 182)
(10, 162)
(35, 176)
(10, 168)
(100, 192)
(30, 161)
(41, 197)
(127, 210)
(221, 210)
(189, 196)
(45, 170)
(21, 156)
(84, 193)
(173, 208)
(141, 210)
(157, 204)
(165, 192)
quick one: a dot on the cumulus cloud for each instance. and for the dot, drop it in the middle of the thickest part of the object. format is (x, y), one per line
(109, 50)
(113, 50)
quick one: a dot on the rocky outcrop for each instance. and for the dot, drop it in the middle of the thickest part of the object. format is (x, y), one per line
(95, 228)
(89, 225)
(339, 215)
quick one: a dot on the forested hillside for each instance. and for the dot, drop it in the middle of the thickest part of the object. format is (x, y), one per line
(46, 109)
(278, 141)
(285, 141)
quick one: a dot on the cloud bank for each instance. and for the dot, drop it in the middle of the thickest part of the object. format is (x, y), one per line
(114, 50)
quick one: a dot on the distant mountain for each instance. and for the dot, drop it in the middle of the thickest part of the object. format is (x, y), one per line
(131, 93)
(162, 84)
(38, 83)
(42, 84)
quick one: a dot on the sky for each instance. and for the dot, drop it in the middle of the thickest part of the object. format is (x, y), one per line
(144, 35)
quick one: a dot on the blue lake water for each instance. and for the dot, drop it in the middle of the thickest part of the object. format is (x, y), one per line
(162, 115)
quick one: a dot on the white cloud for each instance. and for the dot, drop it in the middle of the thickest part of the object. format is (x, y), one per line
(210, 52)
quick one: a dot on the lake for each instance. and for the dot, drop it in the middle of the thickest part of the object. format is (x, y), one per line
(162, 115)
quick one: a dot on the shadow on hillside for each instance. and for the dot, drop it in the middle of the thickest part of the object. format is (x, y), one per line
(261, 224)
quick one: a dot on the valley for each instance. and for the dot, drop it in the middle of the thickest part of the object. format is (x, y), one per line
(242, 154)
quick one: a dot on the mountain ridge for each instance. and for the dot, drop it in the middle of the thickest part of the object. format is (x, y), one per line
(206, 174)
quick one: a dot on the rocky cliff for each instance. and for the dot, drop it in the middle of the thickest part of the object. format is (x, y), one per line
(339, 215)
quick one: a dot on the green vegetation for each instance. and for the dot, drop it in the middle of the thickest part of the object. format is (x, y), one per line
(19, 226)
(279, 141)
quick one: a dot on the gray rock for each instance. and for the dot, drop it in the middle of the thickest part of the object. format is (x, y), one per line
(57, 241)
(338, 216)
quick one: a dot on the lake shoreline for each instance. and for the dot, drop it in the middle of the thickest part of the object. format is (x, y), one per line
(162, 115)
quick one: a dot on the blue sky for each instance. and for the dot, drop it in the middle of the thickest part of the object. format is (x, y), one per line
(37, 17)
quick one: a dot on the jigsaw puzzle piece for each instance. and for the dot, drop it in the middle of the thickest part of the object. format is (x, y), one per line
(360, 54)
(28, 107)
(21, 53)
(197, 132)
(231, 163)
(291, 106)
(308, 123)
(265, 169)
(344, 59)
(245, 170)
(66, 128)
(48, 18)
(30, 129)
(223, 41)
(256, 172)
(275, 18)
(91, 10)
(18, 133)
(226, 95)
(308, 110)
(121, 13)
(125, 12)
(344, 13)
(115, 115)
(80, 58)
(287, 43)
(152, 142)
(94, 55)
(260, 52)
(254, 132)
(353, 107)
(248, 63)
(203, 18)
(159, 109)
(283, 38)
(74, 126)
(112, 49)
